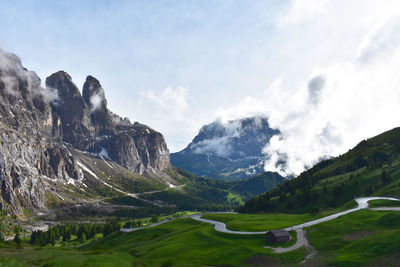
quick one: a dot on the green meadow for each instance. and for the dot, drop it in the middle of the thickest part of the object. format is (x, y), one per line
(383, 203)
(259, 222)
(363, 238)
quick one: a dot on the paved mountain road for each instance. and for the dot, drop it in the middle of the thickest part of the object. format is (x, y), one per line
(362, 204)
(301, 238)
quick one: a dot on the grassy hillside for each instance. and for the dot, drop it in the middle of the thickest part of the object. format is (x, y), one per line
(209, 194)
(363, 238)
(370, 168)
(189, 243)
(104, 192)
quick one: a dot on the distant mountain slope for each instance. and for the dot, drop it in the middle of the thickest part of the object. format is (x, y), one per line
(370, 168)
(210, 194)
(228, 151)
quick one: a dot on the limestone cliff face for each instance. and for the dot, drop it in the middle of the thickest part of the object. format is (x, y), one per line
(138, 147)
(30, 132)
(72, 110)
(36, 123)
(94, 97)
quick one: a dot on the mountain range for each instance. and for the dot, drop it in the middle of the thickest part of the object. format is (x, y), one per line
(72, 173)
(61, 149)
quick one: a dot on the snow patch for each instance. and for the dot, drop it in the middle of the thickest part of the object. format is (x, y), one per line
(69, 153)
(104, 155)
(87, 170)
(170, 185)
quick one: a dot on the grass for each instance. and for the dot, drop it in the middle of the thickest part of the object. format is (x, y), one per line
(260, 222)
(362, 238)
(383, 203)
(359, 238)
(49, 256)
(190, 243)
(182, 242)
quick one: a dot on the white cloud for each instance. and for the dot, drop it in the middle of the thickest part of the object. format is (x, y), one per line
(382, 38)
(12, 69)
(50, 94)
(301, 11)
(96, 100)
(171, 114)
(172, 100)
(223, 133)
(336, 107)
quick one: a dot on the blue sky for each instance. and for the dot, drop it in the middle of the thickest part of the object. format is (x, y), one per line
(176, 65)
(214, 49)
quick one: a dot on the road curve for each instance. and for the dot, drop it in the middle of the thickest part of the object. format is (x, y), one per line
(193, 216)
(362, 204)
(221, 227)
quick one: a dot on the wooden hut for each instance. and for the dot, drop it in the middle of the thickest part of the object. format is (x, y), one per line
(277, 236)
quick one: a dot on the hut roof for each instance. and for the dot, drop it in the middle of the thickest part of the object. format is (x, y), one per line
(279, 233)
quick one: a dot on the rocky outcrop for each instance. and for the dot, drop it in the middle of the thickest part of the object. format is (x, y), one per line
(36, 123)
(30, 152)
(138, 148)
(94, 96)
(72, 110)
(88, 124)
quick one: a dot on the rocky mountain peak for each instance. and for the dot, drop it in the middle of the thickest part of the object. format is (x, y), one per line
(94, 96)
(72, 110)
(227, 150)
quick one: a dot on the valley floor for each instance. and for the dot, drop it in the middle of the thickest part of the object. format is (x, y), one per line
(361, 238)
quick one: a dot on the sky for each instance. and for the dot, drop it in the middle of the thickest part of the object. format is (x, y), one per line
(325, 72)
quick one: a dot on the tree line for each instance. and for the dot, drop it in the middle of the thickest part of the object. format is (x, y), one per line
(64, 232)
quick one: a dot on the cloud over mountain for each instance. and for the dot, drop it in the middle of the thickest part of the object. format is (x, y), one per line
(339, 105)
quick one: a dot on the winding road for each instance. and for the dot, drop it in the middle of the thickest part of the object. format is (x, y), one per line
(362, 204)
(301, 238)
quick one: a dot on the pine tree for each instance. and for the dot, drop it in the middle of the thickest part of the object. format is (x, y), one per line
(83, 238)
(2, 231)
(17, 237)
(107, 229)
(34, 237)
(52, 237)
(42, 238)
(67, 234)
